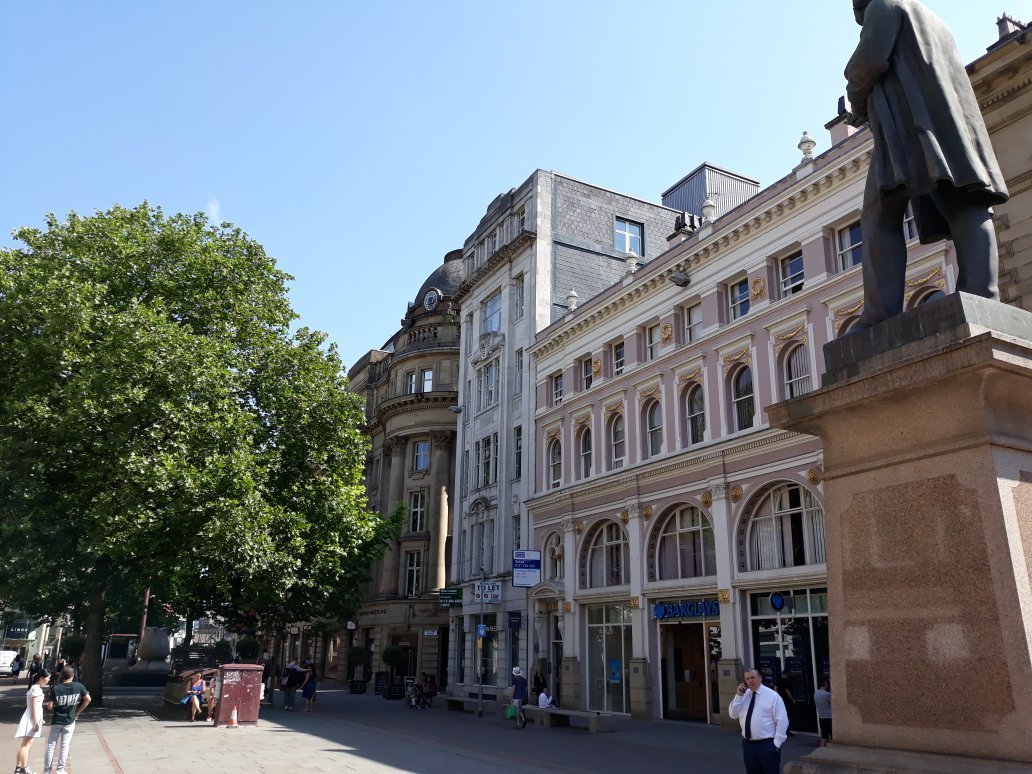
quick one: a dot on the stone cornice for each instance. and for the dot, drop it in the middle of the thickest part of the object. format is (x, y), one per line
(694, 252)
(503, 254)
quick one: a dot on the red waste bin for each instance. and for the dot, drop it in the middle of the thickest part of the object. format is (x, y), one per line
(239, 692)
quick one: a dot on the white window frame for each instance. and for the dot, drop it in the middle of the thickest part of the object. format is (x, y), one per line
(617, 445)
(585, 455)
(587, 375)
(555, 464)
(517, 376)
(413, 573)
(653, 431)
(652, 341)
(738, 298)
(491, 313)
(557, 388)
(692, 415)
(909, 224)
(694, 545)
(739, 401)
(519, 297)
(426, 379)
(517, 452)
(847, 252)
(417, 511)
(796, 373)
(410, 382)
(618, 351)
(420, 456)
(692, 323)
(791, 281)
(626, 233)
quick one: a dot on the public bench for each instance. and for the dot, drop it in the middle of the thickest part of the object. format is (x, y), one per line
(595, 722)
(460, 704)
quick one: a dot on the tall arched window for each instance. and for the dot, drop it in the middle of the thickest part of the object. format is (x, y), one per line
(555, 464)
(608, 557)
(694, 409)
(686, 548)
(742, 410)
(584, 468)
(930, 296)
(617, 446)
(796, 372)
(653, 440)
(787, 530)
(554, 557)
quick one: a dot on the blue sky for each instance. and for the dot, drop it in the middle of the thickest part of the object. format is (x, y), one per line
(360, 142)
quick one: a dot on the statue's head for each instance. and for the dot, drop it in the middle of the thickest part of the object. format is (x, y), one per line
(859, 6)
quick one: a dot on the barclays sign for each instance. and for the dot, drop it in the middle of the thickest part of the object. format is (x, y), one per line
(704, 608)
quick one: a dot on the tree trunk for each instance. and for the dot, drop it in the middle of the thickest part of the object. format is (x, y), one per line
(91, 664)
(188, 637)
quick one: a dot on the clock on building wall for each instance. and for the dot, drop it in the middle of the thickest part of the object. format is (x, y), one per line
(431, 299)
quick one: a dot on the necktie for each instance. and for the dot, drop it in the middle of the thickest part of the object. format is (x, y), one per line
(748, 717)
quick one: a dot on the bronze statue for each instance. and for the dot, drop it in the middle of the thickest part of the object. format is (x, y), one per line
(931, 148)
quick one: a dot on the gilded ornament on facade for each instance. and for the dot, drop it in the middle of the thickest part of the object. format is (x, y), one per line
(666, 333)
(582, 421)
(647, 395)
(848, 310)
(578, 527)
(758, 288)
(815, 474)
(742, 356)
(567, 607)
(916, 283)
(736, 493)
(624, 516)
(635, 603)
(707, 498)
(724, 596)
(646, 512)
(596, 367)
(691, 376)
(613, 408)
(553, 434)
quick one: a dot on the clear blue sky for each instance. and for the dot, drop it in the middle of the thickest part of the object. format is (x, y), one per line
(361, 141)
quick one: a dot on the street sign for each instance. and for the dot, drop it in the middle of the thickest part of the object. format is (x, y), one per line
(481, 630)
(489, 592)
(450, 597)
(526, 569)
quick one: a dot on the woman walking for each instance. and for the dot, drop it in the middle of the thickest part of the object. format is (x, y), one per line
(31, 724)
(309, 686)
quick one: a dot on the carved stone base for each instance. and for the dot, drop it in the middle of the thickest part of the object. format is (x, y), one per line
(926, 422)
(847, 759)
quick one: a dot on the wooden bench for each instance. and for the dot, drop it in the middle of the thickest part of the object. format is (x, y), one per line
(595, 722)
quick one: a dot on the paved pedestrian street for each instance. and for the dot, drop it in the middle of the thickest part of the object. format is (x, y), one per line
(134, 733)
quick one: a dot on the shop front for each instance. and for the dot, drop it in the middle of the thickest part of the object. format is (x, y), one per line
(609, 654)
(689, 649)
(790, 647)
(418, 627)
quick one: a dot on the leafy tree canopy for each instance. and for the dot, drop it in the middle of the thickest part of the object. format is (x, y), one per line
(162, 426)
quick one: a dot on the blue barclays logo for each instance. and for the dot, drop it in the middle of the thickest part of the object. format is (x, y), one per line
(702, 609)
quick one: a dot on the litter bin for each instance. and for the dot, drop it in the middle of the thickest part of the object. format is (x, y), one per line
(240, 691)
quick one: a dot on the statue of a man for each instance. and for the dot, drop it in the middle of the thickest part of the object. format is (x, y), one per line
(931, 148)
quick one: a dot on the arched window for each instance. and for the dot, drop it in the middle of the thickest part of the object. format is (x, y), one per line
(787, 530)
(796, 372)
(554, 557)
(608, 557)
(653, 440)
(555, 464)
(584, 469)
(616, 442)
(848, 326)
(686, 548)
(694, 429)
(742, 411)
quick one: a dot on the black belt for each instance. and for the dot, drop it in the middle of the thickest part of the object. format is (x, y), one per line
(755, 741)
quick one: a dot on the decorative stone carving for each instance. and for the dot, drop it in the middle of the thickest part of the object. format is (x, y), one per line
(691, 376)
(551, 435)
(666, 333)
(635, 603)
(583, 421)
(596, 367)
(397, 445)
(743, 356)
(613, 408)
(707, 498)
(646, 512)
(624, 516)
(846, 311)
(758, 289)
(442, 439)
(815, 474)
(578, 527)
(646, 395)
(736, 493)
(782, 340)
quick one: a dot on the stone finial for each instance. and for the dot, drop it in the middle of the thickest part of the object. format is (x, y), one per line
(806, 145)
(572, 299)
(709, 208)
(631, 259)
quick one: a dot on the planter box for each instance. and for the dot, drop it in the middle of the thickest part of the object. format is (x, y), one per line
(358, 686)
(396, 691)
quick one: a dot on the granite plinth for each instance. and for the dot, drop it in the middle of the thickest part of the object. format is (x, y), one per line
(927, 433)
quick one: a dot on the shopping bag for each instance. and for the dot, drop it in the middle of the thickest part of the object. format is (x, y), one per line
(510, 712)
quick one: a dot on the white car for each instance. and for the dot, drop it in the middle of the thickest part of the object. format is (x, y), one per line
(7, 662)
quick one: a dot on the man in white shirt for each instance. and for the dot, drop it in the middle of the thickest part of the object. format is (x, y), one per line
(761, 713)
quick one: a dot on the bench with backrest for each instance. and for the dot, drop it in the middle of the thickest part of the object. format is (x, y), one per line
(595, 722)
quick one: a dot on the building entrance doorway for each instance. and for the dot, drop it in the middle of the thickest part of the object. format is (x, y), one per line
(689, 688)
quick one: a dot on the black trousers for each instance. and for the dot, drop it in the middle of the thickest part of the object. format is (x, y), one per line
(761, 757)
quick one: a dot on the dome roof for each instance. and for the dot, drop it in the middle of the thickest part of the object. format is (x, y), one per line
(447, 277)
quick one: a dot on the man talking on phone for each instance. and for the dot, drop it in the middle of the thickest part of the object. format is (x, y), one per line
(761, 713)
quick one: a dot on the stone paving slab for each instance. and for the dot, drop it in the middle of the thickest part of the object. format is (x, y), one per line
(137, 734)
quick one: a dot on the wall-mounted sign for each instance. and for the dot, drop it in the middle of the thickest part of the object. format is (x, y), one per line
(450, 597)
(515, 619)
(526, 569)
(429, 632)
(489, 592)
(703, 608)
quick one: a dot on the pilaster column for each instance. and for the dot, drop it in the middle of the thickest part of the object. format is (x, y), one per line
(437, 513)
(388, 584)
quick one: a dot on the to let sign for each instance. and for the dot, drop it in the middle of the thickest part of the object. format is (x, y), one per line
(489, 592)
(526, 569)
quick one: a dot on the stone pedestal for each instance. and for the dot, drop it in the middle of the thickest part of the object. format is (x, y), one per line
(926, 422)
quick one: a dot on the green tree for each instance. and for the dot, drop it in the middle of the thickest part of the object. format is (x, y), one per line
(160, 425)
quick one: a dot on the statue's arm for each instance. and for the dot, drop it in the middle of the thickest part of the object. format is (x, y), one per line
(873, 54)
